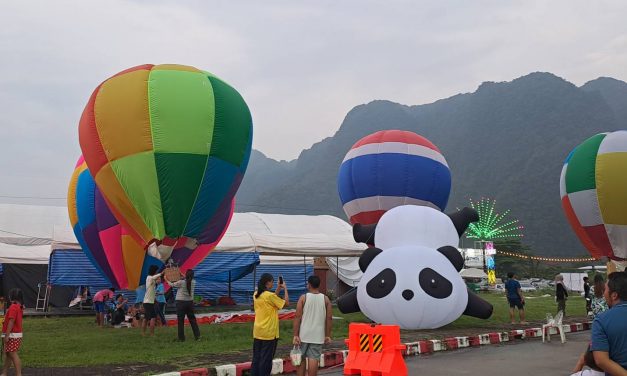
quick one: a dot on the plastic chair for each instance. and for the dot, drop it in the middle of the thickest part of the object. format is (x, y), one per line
(553, 322)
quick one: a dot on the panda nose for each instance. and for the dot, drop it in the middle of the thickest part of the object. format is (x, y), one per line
(408, 294)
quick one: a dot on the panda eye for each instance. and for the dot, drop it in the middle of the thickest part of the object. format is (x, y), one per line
(381, 284)
(434, 284)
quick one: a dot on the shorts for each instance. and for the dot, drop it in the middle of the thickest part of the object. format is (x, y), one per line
(149, 311)
(13, 345)
(516, 302)
(100, 307)
(311, 350)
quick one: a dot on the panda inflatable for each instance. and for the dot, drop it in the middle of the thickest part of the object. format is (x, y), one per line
(411, 277)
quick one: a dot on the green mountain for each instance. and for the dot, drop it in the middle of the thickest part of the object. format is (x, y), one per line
(506, 141)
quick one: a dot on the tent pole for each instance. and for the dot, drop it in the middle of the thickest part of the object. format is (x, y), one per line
(305, 270)
(229, 283)
(254, 277)
(337, 276)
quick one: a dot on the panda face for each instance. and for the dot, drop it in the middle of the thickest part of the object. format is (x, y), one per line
(415, 287)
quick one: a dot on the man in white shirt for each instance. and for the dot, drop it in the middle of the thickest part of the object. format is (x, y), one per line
(312, 326)
(149, 299)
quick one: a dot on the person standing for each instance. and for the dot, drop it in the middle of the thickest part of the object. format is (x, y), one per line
(312, 326)
(598, 303)
(266, 328)
(12, 333)
(560, 294)
(586, 295)
(149, 300)
(160, 306)
(185, 304)
(515, 298)
(100, 300)
(609, 329)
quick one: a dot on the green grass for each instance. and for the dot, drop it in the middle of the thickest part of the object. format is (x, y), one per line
(75, 341)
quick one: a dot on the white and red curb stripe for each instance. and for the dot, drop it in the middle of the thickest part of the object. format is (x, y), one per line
(334, 358)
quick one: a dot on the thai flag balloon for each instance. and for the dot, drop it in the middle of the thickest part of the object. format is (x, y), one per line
(113, 249)
(392, 168)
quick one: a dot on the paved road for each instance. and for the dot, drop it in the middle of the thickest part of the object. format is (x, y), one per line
(518, 358)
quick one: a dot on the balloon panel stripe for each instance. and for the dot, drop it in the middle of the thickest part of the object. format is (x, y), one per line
(182, 112)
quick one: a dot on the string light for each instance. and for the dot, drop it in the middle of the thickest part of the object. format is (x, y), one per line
(548, 259)
(491, 225)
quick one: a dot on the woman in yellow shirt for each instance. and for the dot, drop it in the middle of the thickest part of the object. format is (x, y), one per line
(266, 329)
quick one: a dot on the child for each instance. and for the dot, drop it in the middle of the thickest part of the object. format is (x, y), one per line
(12, 332)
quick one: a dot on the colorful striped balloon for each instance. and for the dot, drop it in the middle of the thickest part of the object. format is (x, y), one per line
(168, 146)
(593, 188)
(112, 248)
(388, 169)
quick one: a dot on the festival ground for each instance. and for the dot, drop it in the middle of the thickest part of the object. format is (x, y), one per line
(62, 346)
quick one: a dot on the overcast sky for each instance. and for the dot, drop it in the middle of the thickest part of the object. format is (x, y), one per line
(300, 65)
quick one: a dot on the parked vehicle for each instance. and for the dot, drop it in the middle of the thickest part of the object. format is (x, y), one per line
(527, 287)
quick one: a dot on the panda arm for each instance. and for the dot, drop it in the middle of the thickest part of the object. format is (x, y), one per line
(347, 303)
(478, 307)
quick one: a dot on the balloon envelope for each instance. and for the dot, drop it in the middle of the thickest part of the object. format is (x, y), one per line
(112, 248)
(391, 168)
(593, 190)
(167, 146)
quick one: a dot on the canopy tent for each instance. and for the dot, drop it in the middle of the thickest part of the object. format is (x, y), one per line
(271, 235)
(29, 233)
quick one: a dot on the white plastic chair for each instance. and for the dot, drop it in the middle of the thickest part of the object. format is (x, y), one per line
(553, 322)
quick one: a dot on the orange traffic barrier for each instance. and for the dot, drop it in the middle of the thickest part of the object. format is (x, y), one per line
(375, 350)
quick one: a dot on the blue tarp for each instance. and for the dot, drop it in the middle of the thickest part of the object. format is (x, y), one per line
(70, 267)
(242, 290)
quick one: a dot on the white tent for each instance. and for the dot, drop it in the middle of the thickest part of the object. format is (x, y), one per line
(27, 233)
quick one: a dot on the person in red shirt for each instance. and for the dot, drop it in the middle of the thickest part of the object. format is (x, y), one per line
(12, 333)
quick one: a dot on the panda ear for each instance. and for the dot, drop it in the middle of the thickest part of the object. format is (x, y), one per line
(364, 233)
(453, 255)
(463, 218)
(366, 258)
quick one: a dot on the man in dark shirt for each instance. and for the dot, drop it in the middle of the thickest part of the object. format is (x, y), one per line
(515, 298)
(586, 294)
(561, 294)
(609, 329)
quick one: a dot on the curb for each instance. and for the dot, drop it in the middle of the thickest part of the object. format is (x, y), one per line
(335, 358)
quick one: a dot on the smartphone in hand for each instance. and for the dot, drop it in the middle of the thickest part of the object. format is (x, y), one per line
(280, 280)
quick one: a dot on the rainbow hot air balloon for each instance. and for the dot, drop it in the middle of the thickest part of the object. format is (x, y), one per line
(168, 146)
(392, 168)
(112, 248)
(593, 188)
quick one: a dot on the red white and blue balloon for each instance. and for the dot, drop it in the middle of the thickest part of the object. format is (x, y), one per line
(392, 168)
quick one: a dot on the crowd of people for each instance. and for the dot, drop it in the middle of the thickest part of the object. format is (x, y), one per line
(606, 304)
(607, 351)
(149, 307)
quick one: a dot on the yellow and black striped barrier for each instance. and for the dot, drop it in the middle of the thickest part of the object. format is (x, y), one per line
(375, 349)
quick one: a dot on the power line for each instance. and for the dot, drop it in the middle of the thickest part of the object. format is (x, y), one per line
(282, 207)
(34, 197)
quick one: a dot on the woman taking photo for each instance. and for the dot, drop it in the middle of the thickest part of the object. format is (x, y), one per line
(266, 329)
(185, 304)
